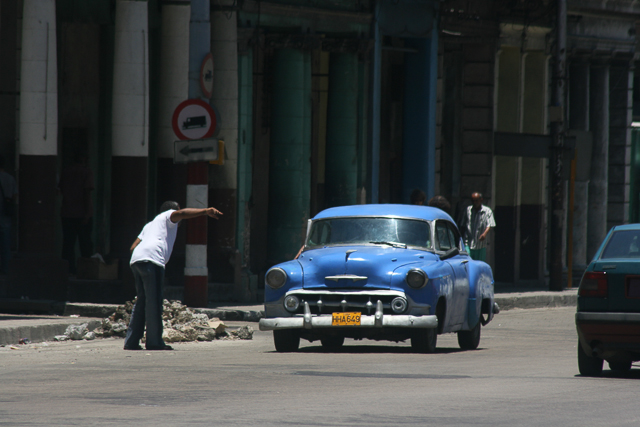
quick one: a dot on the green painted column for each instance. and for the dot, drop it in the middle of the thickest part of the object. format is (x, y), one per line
(288, 182)
(342, 130)
(307, 125)
(634, 188)
(245, 144)
(363, 136)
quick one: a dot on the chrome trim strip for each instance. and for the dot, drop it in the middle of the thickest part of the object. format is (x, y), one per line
(346, 276)
(347, 292)
(582, 316)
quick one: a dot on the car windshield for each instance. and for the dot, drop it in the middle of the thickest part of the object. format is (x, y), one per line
(389, 231)
(623, 244)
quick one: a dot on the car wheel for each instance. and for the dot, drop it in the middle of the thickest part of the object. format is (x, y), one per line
(470, 340)
(424, 340)
(286, 340)
(332, 342)
(623, 366)
(588, 366)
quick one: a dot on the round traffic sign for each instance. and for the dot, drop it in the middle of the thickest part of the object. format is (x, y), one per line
(193, 119)
(206, 76)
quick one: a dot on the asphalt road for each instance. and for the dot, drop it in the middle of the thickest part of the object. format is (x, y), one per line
(524, 374)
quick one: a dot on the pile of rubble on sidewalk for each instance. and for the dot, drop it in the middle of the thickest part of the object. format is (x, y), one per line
(179, 321)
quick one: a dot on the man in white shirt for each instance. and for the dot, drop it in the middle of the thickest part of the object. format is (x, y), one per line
(150, 253)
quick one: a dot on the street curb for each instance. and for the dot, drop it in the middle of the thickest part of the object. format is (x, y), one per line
(89, 309)
(47, 330)
(43, 332)
(545, 300)
(232, 314)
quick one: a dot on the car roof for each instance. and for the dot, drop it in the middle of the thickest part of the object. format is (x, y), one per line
(394, 210)
(627, 227)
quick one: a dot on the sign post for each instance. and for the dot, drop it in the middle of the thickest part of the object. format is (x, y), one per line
(194, 123)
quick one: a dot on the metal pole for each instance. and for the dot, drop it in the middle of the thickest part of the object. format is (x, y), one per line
(557, 131)
(196, 281)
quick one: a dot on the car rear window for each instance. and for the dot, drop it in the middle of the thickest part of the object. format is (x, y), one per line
(623, 244)
(344, 231)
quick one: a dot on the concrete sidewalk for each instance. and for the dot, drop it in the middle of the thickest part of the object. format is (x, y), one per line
(38, 328)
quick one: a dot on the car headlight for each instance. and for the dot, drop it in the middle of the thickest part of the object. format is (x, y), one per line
(291, 303)
(276, 277)
(416, 278)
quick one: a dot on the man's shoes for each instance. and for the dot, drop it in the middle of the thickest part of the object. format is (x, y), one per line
(164, 347)
(133, 347)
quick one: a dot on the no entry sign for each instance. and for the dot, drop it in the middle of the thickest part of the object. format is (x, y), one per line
(193, 119)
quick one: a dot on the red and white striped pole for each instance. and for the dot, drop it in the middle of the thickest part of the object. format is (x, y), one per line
(196, 271)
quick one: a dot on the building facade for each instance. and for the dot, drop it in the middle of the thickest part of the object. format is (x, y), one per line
(319, 103)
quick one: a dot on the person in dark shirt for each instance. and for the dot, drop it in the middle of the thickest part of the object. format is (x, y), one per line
(76, 212)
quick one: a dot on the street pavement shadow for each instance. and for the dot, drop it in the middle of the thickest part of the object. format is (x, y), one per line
(633, 374)
(375, 349)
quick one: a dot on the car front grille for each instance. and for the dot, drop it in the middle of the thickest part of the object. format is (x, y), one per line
(327, 302)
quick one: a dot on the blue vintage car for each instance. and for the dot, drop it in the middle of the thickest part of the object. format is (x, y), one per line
(381, 272)
(608, 312)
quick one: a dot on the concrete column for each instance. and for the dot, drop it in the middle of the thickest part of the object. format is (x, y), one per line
(38, 127)
(599, 124)
(579, 120)
(342, 130)
(171, 178)
(621, 115)
(533, 173)
(174, 71)
(223, 179)
(174, 86)
(288, 193)
(130, 125)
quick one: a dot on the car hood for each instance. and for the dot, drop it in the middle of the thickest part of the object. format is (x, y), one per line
(356, 267)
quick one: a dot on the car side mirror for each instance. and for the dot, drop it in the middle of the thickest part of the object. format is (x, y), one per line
(450, 253)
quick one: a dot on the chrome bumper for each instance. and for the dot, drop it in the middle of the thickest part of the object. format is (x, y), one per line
(378, 320)
(610, 317)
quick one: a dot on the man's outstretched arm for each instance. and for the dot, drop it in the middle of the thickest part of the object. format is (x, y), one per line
(188, 213)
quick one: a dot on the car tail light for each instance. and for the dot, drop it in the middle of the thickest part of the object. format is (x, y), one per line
(593, 284)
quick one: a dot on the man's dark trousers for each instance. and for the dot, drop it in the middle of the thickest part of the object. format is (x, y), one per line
(149, 279)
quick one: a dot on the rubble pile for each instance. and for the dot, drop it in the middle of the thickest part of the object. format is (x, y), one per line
(180, 324)
(76, 332)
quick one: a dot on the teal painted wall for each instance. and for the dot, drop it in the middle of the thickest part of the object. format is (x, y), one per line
(245, 147)
(288, 182)
(342, 130)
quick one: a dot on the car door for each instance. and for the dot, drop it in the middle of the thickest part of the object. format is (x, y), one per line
(447, 237)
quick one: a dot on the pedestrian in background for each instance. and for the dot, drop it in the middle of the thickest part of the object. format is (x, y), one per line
(440, 202)
(9, 190)
(476, 224)
(150, 253)
(76, 211)
(418, 197)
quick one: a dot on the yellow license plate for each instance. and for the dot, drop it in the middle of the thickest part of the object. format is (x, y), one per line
(346, 319)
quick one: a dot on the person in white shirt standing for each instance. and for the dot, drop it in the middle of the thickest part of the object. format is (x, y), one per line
(150, 253)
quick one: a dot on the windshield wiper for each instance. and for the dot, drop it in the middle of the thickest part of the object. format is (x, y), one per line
(394, 244)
